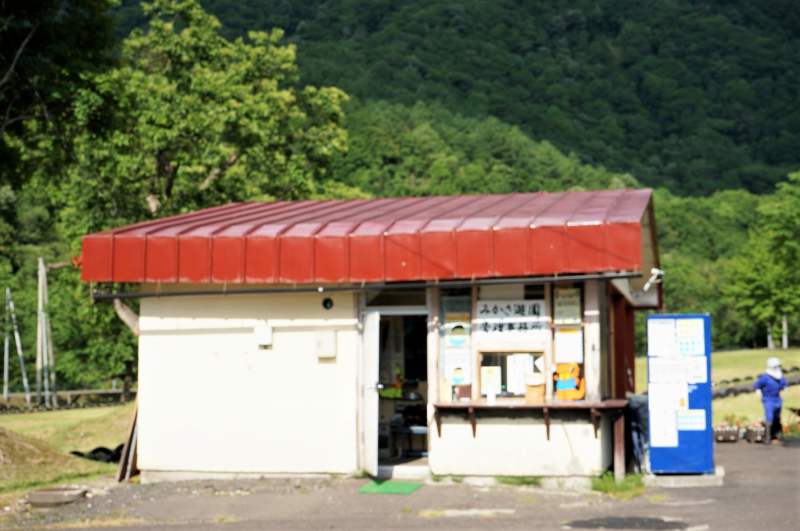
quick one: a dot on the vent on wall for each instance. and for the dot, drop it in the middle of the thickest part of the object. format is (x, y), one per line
(326, 344)
(262, 332)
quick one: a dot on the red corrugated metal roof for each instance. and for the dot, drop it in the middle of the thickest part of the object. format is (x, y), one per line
(379, 240)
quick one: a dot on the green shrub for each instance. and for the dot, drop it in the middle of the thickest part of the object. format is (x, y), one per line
(520, 481)
(630, 487)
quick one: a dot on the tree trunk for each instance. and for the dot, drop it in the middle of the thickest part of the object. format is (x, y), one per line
(784, 332)
(770, 341)
(131, 319)
(128, 316)
(127, 381)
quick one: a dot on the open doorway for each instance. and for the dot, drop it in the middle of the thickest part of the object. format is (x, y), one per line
(403, 375)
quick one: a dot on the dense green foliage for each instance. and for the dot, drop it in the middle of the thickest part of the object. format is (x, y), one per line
(697, 238)
(189, 119)
(696, 96)
(40, 69)
(426, 150)
(764, 278)
(183, 120)
(46, 49)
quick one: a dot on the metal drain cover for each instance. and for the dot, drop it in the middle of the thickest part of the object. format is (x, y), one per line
(626, 522)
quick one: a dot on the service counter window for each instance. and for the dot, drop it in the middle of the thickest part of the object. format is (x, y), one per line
(512, 375)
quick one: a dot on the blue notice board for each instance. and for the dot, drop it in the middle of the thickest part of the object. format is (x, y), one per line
(679, 394)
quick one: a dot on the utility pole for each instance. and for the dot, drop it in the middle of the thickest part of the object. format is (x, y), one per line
(41, 349)
(6, 348)
(18, 341)
(45, 355)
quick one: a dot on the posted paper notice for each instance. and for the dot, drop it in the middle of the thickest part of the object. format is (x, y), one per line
(690, 335)
(692, 420)
(661, 338)
(697, 369)
(519, 367)
(491, 381)
(457, 366)
(668, 370)
(668, 396)
(663, 428)
(569, 345)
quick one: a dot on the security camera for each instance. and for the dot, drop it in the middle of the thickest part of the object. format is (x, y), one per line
(656, 275)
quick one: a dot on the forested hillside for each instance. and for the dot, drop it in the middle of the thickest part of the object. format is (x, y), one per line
(698, 97)
(693, 95)
(110, 115)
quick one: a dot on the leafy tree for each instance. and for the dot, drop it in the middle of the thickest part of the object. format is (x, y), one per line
(190, 119)
(186, 119)
(764, 280)
(45, 47)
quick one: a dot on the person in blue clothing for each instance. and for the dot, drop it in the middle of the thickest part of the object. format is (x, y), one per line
(769, 386)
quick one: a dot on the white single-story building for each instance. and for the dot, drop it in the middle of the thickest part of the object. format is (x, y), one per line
(464, 335)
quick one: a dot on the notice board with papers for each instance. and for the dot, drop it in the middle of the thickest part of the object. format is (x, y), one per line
(679, 394)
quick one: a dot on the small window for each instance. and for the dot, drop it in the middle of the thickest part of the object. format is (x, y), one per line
(508, 374)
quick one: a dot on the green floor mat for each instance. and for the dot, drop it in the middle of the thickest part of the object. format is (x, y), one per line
(389, 487)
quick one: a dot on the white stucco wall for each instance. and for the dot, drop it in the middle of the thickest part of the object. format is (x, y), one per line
(519, 447)
(211, 400)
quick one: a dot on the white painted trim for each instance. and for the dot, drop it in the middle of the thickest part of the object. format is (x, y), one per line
(592, 339)
(399, 310)
(637, 299)
(432, 297)
(370, 363)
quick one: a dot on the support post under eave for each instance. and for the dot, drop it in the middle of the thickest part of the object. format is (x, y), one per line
(619, 447)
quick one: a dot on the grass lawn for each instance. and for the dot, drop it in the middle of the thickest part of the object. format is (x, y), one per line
(730, 364)
(726, 365)
(30, 463)
(34, 447)
(748, 407)
(74, 429)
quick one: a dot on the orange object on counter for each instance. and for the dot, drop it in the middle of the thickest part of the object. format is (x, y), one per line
(569, 384)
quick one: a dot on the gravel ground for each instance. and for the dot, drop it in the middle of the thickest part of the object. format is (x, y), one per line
(762, 491)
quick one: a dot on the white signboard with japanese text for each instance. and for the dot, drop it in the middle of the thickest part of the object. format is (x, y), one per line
(510, 318)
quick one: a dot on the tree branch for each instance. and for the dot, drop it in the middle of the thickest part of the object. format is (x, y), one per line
(7, 76)
(43, 104)
(127, 316)
(216, 172)
(153, 203)
(9, 121)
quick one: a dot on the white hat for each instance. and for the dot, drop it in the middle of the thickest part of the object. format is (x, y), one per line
(773, 363)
